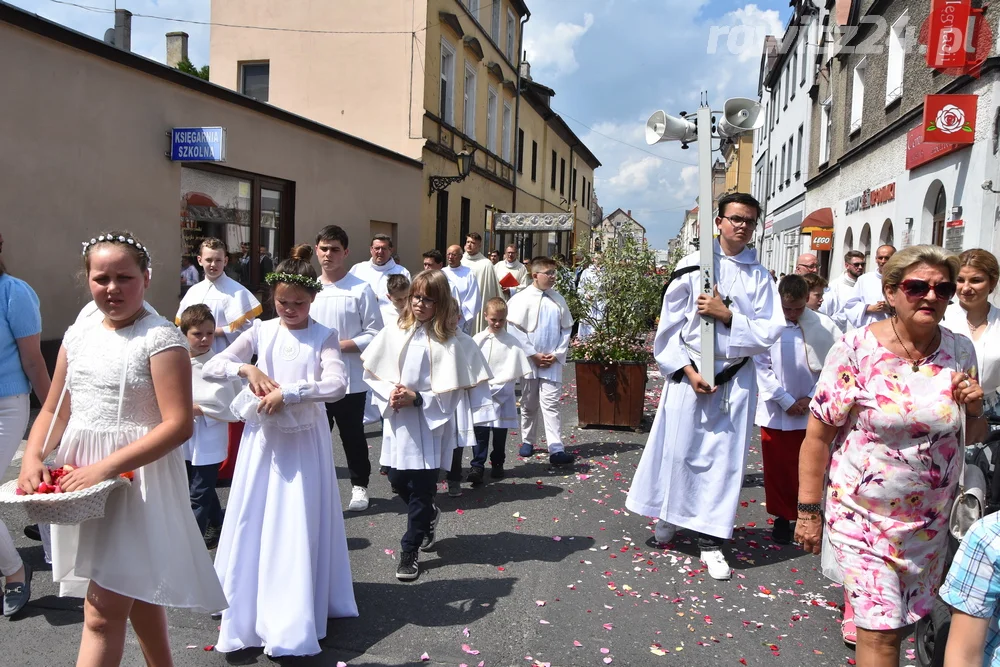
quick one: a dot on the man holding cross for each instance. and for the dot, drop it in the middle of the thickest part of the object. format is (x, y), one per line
(691, 470)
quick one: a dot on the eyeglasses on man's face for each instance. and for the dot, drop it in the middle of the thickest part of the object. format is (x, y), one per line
(740, 221)
(858, 265)
(551, 273)
(422, 300)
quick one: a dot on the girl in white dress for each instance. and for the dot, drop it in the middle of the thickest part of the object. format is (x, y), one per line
(129, 409)
(420, 373)
(282, 556)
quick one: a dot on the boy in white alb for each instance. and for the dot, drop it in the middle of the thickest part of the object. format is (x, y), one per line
(232, 304)
(208, 444)
(347, 304)
(508, 363)
(542, 325)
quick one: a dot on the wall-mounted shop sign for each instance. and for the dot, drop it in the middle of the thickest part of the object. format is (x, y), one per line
(198, 144)
(920, 152)
(869, 198)
(950, 119)
(822, 240)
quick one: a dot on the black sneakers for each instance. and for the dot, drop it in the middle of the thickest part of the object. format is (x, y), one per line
(212, 535)
(496, 471)
(475, 477)
(408, 569)
(561, 459)
(430, 538)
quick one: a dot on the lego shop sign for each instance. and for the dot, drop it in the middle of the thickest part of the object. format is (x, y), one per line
(950, 119)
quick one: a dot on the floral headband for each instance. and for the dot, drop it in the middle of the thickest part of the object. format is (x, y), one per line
(111, 238)
(273, 279)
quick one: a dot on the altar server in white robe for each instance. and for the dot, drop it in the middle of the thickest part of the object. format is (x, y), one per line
(420, 372)
(588, 289)
(868, 303)
(482, 267)
(542, 325)
(347, 304)
(691, 470)
(282, 558)
(509, 266)
(466, 287)
(233, 305)
(377, 271)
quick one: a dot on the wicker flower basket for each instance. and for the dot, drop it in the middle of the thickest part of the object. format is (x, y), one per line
(63, 508)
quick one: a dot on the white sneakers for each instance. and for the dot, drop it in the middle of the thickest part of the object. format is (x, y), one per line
(664, 532)
(717, 566)
(359, 499)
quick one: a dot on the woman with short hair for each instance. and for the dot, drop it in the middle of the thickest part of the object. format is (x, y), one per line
(884, 431)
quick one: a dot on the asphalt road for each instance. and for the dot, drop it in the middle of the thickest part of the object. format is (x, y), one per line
(543, 568)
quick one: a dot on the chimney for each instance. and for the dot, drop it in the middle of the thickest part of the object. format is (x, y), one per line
(123, 29)
(629, 214)
(177, 48)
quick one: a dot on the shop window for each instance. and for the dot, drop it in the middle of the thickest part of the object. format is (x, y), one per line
(251, 214)
(255, 80)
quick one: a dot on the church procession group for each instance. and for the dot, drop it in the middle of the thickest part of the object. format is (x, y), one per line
(858, 392)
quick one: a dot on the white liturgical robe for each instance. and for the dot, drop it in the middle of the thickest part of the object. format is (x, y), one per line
(376, 277)
(489, 286)
(867, 291)
(466, 288)
(691, 470)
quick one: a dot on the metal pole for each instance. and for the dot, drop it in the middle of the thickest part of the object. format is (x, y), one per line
(706, 219)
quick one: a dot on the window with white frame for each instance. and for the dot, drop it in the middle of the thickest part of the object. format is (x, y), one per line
(495, 22)
(894, 68)
(781, 172)
(511, 35)
(505, 135)
(447, 82)
(798, 153)
(777, 101)
(805, 58)
(788, 169)
(788, 83)
(858, 95)
(491, 120)
(826, 131)
(792, 70)
(469, 99)
(474, 8)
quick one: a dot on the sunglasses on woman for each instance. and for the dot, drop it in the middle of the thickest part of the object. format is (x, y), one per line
(918, 289)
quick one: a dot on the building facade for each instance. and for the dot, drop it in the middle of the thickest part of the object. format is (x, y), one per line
(282, 179)
(781, 151)
(618, 226)
(869, 168)
(429, 79)
(739, 159)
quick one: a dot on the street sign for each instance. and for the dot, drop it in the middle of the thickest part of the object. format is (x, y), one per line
(198, 144)
(950, 119)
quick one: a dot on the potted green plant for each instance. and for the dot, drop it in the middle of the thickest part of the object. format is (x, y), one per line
(619, 304)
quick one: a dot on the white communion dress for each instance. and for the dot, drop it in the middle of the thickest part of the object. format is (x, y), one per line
(282, 555)
(147, 546)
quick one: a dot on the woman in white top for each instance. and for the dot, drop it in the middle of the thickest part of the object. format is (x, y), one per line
(974, 316)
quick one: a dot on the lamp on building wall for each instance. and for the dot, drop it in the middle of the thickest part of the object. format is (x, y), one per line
(465, 161)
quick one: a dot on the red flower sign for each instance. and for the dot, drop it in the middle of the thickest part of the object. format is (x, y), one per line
(950, 119)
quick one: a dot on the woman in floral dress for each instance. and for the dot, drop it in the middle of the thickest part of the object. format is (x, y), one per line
(884, 431)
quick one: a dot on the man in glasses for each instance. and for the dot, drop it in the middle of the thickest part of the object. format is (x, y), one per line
(842, 287)
(868, 303)
(691, 471)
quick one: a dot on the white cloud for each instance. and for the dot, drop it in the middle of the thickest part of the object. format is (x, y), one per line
(553, 51)
(634, 175)
(741, 32)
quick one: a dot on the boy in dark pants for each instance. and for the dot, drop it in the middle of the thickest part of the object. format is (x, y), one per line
(208, 444)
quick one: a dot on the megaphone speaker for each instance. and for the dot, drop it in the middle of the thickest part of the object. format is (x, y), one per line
(740, 114)
(662, 127)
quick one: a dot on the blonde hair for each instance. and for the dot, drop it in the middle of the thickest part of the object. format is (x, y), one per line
(434, 285)
(982, 260)
(901, 262)
(496, 305)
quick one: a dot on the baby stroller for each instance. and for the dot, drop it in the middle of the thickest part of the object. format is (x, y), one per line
(931, 632)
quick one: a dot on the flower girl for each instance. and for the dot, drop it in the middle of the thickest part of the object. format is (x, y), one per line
(282, 556)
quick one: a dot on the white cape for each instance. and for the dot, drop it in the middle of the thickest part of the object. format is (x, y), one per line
(523, 307)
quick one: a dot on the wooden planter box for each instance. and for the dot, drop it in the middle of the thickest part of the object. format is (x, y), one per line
(610, 394)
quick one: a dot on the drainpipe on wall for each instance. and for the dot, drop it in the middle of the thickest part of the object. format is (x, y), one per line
(517, 110)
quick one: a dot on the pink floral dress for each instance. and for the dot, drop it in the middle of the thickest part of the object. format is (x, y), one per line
(893, 473)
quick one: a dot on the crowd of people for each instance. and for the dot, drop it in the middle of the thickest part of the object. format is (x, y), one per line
(863, 390)
(430, 358)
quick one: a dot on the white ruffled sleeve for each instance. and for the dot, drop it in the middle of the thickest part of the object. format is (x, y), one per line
(332, 383)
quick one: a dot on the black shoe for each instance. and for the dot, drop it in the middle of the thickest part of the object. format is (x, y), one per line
(496, 471)
(32, 533)
(561, 459)
(431, 537)
(408, 569)
(383, 470)
(212, 534)
(782, 532)
(475, 477)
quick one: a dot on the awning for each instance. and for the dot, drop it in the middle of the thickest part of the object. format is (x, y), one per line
(533, 222)
(819, 220)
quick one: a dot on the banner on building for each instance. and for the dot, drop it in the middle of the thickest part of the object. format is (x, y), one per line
(950, 119)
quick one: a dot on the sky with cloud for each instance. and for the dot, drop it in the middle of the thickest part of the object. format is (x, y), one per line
(611, 62)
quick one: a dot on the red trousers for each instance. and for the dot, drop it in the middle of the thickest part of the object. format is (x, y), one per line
(780, 451)
(229, 465)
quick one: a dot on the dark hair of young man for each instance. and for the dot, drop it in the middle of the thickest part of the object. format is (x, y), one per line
(435, 256)
(793, 286)
(738, 198)
(196, 315)
(333, 233)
